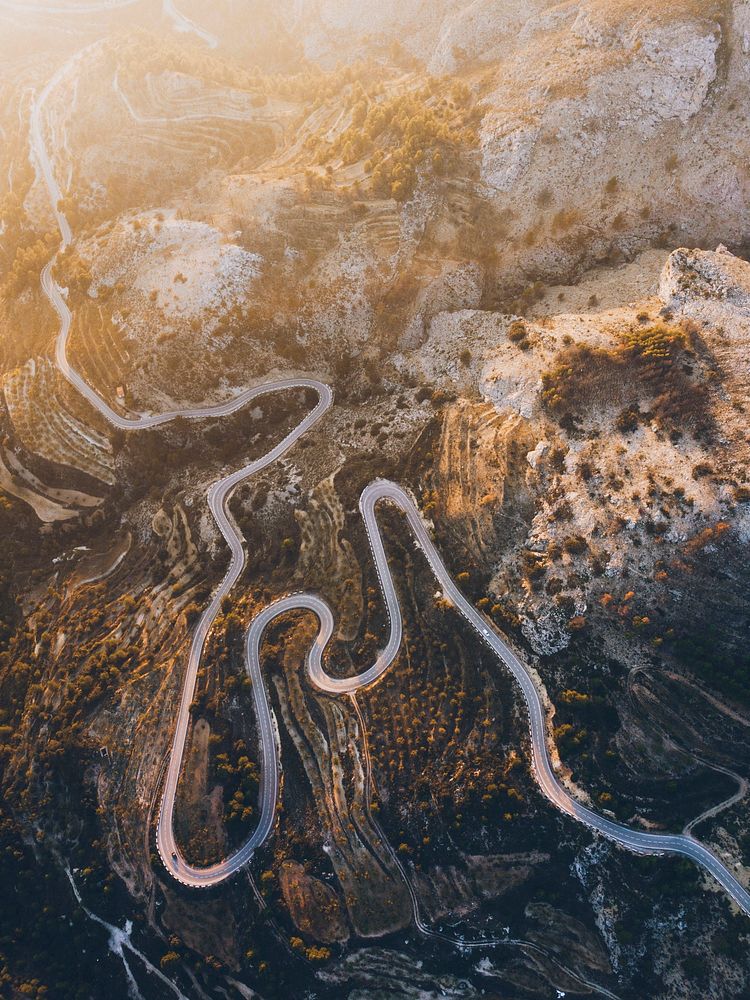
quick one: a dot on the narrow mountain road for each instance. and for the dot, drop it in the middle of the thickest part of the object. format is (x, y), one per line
(378, 491)
(218, 496)
(180, 21)
(24, 7)
(185, 25)
(641, 842)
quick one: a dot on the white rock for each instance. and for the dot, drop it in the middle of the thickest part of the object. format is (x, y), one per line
(476, 30)
(682, 65)
(548, 634)
(534, 457)
(506, 147)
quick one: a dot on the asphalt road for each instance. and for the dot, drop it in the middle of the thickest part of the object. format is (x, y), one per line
(24, 7)
(218, 496)
(641, 842)
(180, 21)
(184, 24)
(380, 490)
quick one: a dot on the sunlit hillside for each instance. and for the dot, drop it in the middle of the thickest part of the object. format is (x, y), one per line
(374, 484)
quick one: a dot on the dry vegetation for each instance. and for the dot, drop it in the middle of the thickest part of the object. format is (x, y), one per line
(411, 226)
(652, 361)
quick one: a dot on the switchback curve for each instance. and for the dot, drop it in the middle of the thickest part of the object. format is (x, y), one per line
(380, 490)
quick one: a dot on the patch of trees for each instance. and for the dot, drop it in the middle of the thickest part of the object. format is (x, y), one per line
(15, 234)
(706, 652)
(240, 776)
(232, 763)
(32, 253)
(436, 727)
(73, 272)
(585, 725)
(153, 456)
(8, 609)
(656, 357)
(404, 135)
(142, 52)
(46, 940)
(275, 67)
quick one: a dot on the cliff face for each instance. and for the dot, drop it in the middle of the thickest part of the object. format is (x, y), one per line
(632, 421)
(572, 91)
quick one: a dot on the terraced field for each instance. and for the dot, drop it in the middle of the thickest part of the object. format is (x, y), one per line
(42, 417)
(99, 347)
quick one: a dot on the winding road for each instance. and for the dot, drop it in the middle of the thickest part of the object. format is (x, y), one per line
(184, 24)
(102, 6)
(377, 492)
(181, 22)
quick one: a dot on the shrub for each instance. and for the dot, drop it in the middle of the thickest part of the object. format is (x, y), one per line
(565, 219)
(575, 544)
(657, 342)
(644, 359)
(628, 420)
(517, 331)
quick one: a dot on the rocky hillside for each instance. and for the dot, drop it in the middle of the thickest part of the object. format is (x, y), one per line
(512, 238)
